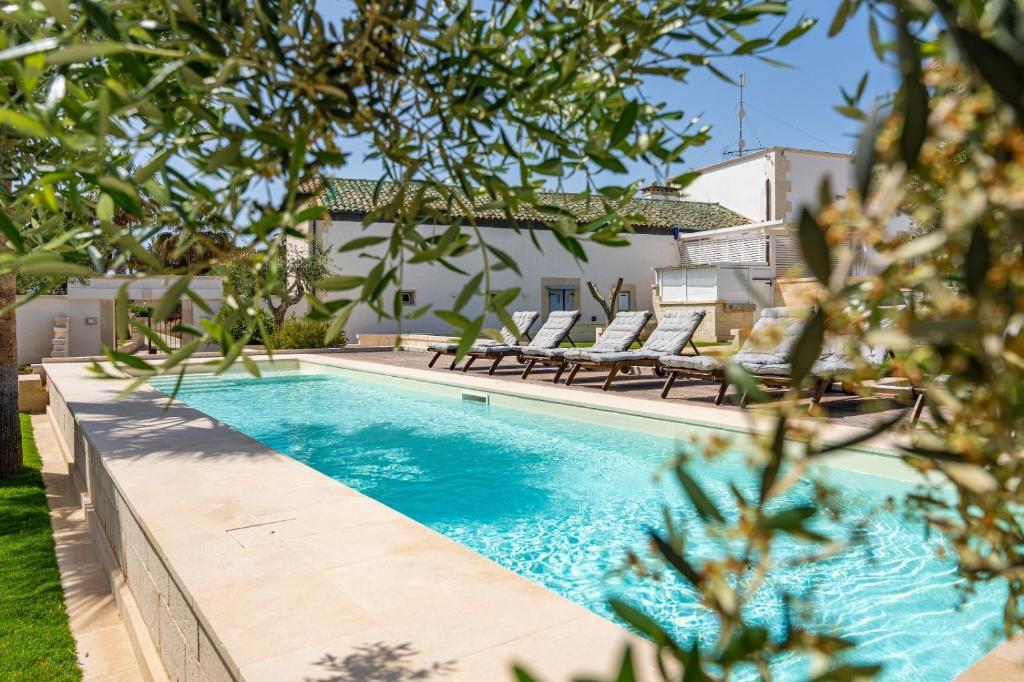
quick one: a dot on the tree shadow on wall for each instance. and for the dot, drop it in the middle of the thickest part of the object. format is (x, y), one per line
(380, 662)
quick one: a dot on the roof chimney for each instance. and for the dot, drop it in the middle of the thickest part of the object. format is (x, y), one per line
(662, 192)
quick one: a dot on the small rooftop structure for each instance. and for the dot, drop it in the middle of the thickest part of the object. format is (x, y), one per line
(662, 192)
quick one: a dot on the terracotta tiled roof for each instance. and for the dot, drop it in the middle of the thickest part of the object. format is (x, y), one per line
(356, 197)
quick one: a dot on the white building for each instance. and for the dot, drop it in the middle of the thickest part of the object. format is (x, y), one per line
(82, 321)
(552, 279)
(726, 244)
(731, 272)
(772, 184)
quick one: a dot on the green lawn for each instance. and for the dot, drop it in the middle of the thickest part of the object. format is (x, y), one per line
(35, 640)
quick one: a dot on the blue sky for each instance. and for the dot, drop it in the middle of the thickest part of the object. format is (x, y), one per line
(785, 107)
(791, 107)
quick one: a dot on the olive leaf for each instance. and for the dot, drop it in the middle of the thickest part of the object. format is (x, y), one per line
(814, 248)
(807, 348)
(913, 95)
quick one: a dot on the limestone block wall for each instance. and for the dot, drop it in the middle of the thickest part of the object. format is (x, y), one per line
(729, 316)
(719, 318)
(184, 644)
(795, 291)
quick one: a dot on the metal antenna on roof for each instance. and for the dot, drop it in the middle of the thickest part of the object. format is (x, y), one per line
(741, 113)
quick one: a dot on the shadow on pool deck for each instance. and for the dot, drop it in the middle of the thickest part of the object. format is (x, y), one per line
(380, 662)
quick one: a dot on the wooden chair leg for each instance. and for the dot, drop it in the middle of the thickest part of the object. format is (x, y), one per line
(694, 347)
(611, 375)
(558, 374)
(721, 392)
(452, 366)
(572, 374)
(743, 399)
(497, 361)
(434, 359)
(820, 386)
(668, 384)
(529, 367)
(918, 409)
(469, 363)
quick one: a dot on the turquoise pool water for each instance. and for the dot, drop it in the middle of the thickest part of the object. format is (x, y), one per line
(561, 501)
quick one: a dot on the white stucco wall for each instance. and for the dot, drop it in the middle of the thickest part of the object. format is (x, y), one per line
(35, 326)
(94, 299)
(207, 287)
(737, 184)
(796, 177)
(806, 173)
(439, 286)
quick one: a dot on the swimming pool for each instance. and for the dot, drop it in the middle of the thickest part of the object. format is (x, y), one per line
(561, 501)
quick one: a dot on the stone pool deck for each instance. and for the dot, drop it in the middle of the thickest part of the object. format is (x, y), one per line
(839, 408)
(246, 564)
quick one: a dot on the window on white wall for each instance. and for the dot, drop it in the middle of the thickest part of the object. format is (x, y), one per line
(767, 199)
(408, 297)
(561, 298)
(625, 301)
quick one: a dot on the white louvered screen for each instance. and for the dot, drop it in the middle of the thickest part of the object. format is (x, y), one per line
(734, 250)
(673, 284)
(789, 261)
(729, 283)
(702, 284)
(688, 284)
(787, 258)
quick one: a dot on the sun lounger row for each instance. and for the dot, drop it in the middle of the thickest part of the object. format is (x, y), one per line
(611, 352)
(765, 355)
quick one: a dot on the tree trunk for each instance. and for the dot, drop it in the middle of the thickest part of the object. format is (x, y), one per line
(278, 312)
(611, 306)
(10, 426)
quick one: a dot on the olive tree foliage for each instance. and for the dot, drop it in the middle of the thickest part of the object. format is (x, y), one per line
(951, 149)
(948, 147)
(299, 267)
(230, 110)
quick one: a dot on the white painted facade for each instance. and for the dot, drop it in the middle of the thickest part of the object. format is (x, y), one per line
(768, 187)
(550, 278)
(772, 184)
(89, 307)
(90, 323)
(771, 187)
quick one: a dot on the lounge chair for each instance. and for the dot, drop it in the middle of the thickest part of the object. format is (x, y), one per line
(833, 364)
(550, 335)
(523, 320)
(617, 337)
(770, 343)
(673, 332)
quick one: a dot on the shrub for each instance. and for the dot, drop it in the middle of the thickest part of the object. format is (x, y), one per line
(237, 329)
(302, 332)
